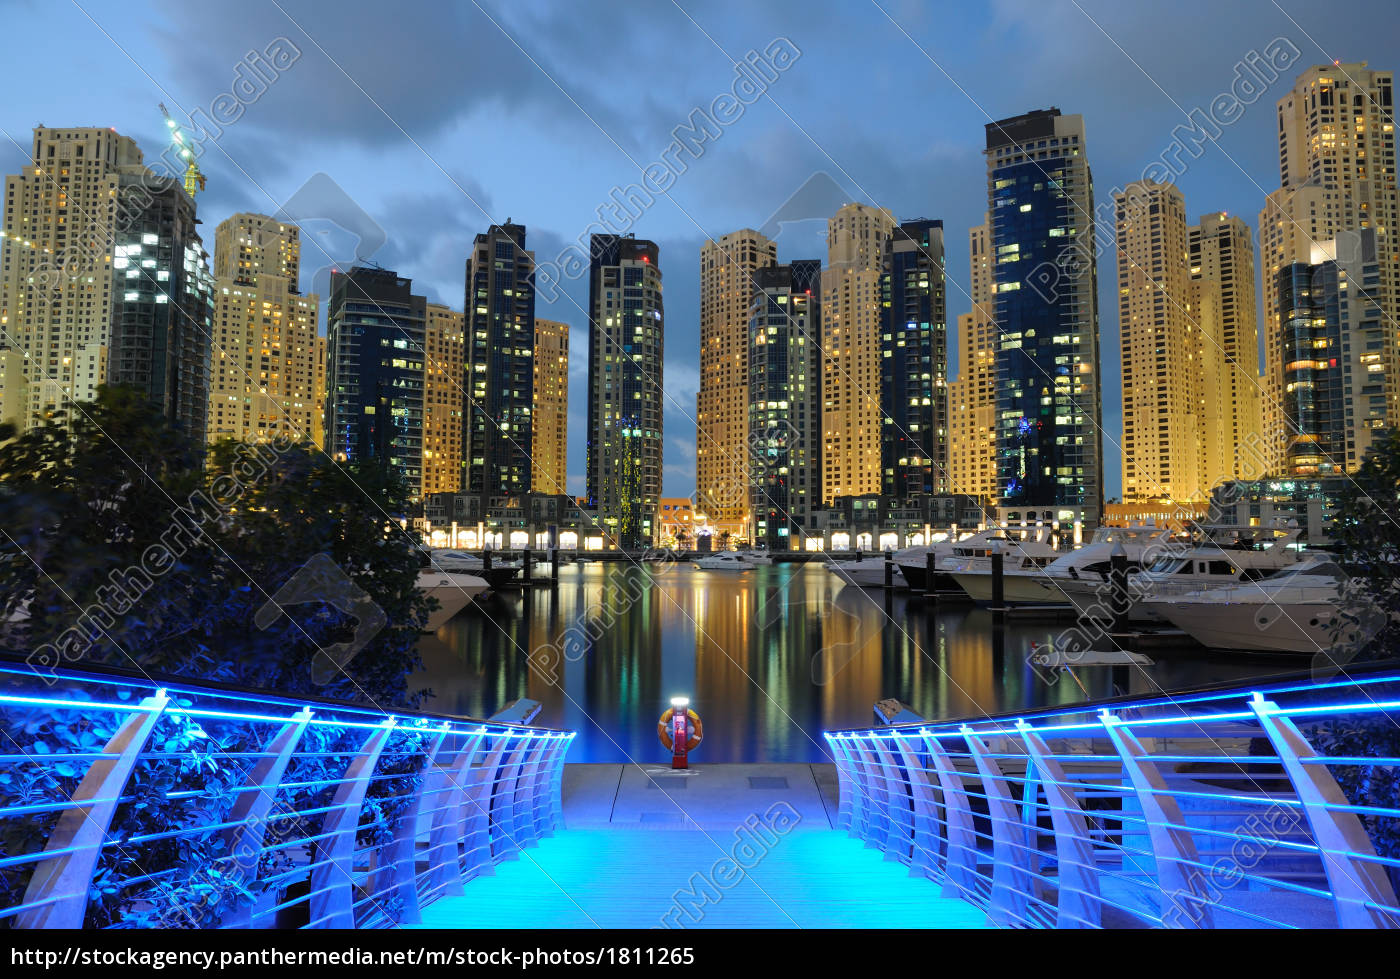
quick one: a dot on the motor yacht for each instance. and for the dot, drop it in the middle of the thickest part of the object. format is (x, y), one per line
(1297, 610)
(724, 561)
(502, 571)
(866, 573)
(1216, 555)
(1024, 551)
(452, 591)
(913, 561)
(1030, 583)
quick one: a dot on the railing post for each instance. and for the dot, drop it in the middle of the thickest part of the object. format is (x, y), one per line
(1342, 840)
(527, 789)
(554, 801)
(1078, 904)
(245, 841)
(394, 877)
(59, 885)
(1012, 885)
(506, 839)
(332, 901)
(962, 853)
(877, 810)
(848, 788)
(898, 835)
(446, 817)
(1179, 876)
(924, 855)
(476, 809)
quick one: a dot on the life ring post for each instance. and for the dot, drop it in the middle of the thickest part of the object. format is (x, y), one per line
(680, 731)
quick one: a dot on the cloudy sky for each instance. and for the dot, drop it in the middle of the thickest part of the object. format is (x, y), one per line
(437, 119)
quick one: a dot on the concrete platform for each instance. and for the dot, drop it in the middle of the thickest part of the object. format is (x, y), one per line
(701, 797)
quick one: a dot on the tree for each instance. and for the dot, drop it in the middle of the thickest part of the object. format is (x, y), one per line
(116, 547)
(1366, 537)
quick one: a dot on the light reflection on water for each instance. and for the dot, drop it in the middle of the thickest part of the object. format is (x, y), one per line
(769, 658)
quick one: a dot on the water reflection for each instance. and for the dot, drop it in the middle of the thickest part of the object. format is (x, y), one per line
(770, 658)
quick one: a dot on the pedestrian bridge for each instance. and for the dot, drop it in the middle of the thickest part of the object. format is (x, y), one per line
(128, 801)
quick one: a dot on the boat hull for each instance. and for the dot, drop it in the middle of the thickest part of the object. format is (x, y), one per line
(1264, 627)
(452, 591)
(1017, 588)
(866, 574)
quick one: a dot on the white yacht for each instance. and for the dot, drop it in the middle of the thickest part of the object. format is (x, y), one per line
(1293, 611)
(866, 573)
(452, 591)
(1023, 551)
(913, 561)
(757, 556)
(723, 561)
(502, 569)
(1220, 555)
(1034, 584)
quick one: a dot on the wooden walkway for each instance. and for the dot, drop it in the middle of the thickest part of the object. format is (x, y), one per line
(644, 878)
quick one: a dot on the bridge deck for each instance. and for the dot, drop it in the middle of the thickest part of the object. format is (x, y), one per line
(638, 837)
(629, 878)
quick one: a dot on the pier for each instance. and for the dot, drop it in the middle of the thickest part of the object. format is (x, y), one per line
(1242, 806)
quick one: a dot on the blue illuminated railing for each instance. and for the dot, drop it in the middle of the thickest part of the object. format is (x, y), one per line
(126, 802)
(1269, 806)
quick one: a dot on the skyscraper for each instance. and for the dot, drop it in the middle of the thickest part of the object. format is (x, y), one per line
(851, 318)
(162, 300)
(1334, 372)
(972, 467)
(623, 478)
(550, 415)
(1164, 382)
(500, 365)
(1049, 436)
(1337, 171)
(443, 352)
(374, 371)
(265, 361)
(60, 226)
(784, 390)
(1222, 266)
(722, 456)
(914, 362)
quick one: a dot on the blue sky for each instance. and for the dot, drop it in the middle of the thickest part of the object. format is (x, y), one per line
(437, 119)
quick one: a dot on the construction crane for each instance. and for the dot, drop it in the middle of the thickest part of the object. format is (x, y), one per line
(194, 180)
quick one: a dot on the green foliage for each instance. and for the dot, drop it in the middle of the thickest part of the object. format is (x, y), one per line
(120, 546)
(1367, 539)
(121, 550)
(1367, 736)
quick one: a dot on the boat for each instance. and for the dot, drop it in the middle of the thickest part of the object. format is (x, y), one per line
(970, 565)
(1041, 585)
(914, 562)
(1294, 611)
(452, 591)
(502, 570)
(757, 556)
(723, 561)
(1216, 556)
(869, 573)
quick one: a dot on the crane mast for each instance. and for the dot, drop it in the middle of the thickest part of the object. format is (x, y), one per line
(194, 180)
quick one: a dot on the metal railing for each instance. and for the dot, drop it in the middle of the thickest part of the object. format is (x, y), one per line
(1275, 805)
(129, 802)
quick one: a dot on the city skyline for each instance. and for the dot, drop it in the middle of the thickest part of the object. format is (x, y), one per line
(1210, 183)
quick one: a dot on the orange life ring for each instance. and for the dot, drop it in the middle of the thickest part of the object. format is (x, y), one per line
(663, 729)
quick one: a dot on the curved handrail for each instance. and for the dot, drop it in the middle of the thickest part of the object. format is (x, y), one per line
(127, 799)
(1252, 805)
